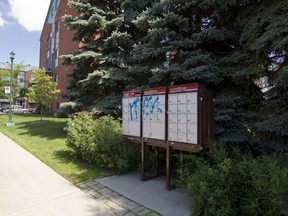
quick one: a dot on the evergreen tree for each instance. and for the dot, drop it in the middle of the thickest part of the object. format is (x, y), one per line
(200, 41)
(266, 35)
(227, 46)
(102, 64)
(86, 27)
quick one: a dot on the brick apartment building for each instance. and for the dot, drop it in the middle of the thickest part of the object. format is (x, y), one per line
(56, 40)
(24, 77)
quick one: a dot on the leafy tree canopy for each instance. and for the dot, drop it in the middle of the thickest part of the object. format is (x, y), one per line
(42, 89)
(4, 75)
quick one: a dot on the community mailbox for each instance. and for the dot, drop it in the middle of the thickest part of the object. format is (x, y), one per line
(190, 117)
(153, 113)
(182, 116)
(131, 114)
(179, 117)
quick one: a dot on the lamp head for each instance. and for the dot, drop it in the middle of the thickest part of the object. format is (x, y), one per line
(12, 55)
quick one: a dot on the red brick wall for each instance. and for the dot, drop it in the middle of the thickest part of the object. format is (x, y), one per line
(27, 78)
(66, 45)
(47, 28)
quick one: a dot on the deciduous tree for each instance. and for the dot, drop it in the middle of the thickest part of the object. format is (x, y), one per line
(42, 89)
(4, 75)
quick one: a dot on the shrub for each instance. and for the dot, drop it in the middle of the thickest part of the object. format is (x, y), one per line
(220, 185)
(100, 142)
(80, 132)
(67, 109)
(264, 187)
(209, 187)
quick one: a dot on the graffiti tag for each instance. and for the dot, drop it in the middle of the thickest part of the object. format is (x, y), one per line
(134, 109)
(151, 106)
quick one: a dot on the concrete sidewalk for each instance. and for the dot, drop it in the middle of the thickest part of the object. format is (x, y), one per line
(28, 187)
(151, 193)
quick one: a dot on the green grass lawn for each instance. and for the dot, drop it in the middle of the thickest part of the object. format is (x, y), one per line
(46, 141)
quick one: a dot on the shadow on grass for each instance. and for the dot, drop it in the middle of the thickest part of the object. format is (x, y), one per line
(84, 171)
(45, 128)
(33, 115)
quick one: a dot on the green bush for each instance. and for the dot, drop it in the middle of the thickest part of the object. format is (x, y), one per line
(100, 142)
(220, 185)
(68, 108)
(264, 187)
(209, 186)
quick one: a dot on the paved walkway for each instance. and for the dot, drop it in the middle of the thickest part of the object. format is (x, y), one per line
(119, 204)
(151, 193)
(28, 187)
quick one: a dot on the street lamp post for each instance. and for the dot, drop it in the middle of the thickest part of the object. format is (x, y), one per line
(10, 123)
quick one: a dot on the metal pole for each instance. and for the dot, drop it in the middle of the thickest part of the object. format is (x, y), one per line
(12, 55)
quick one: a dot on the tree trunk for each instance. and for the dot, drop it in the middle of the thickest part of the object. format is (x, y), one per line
(41, 112)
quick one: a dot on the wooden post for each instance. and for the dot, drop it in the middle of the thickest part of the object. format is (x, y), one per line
(157, 161)
(168, 168)
(143, 160)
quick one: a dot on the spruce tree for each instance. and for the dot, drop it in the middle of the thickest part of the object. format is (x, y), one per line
(228, 46)
(200, 41)
(266, 35)
(103, 62)
(86, 26)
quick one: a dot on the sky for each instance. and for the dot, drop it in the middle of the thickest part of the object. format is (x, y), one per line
(21, 23)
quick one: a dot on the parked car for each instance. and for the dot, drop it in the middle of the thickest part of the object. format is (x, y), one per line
(16, 109)
(32, 110)
(4, 109)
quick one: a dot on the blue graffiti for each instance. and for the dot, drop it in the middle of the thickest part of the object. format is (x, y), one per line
(134, 109)
(150, 106)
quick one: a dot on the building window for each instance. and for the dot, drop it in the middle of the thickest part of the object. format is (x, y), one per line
(56, 4)
(48, 64)
(52, 11)
(57, 26)
(21, 79)
(55, 78)
(48, 42)
(52, 44)
(57, 105)
(56, 57)
(57, 29)
(52, 61)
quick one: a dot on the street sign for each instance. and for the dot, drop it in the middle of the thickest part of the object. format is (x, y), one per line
(7, 89)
